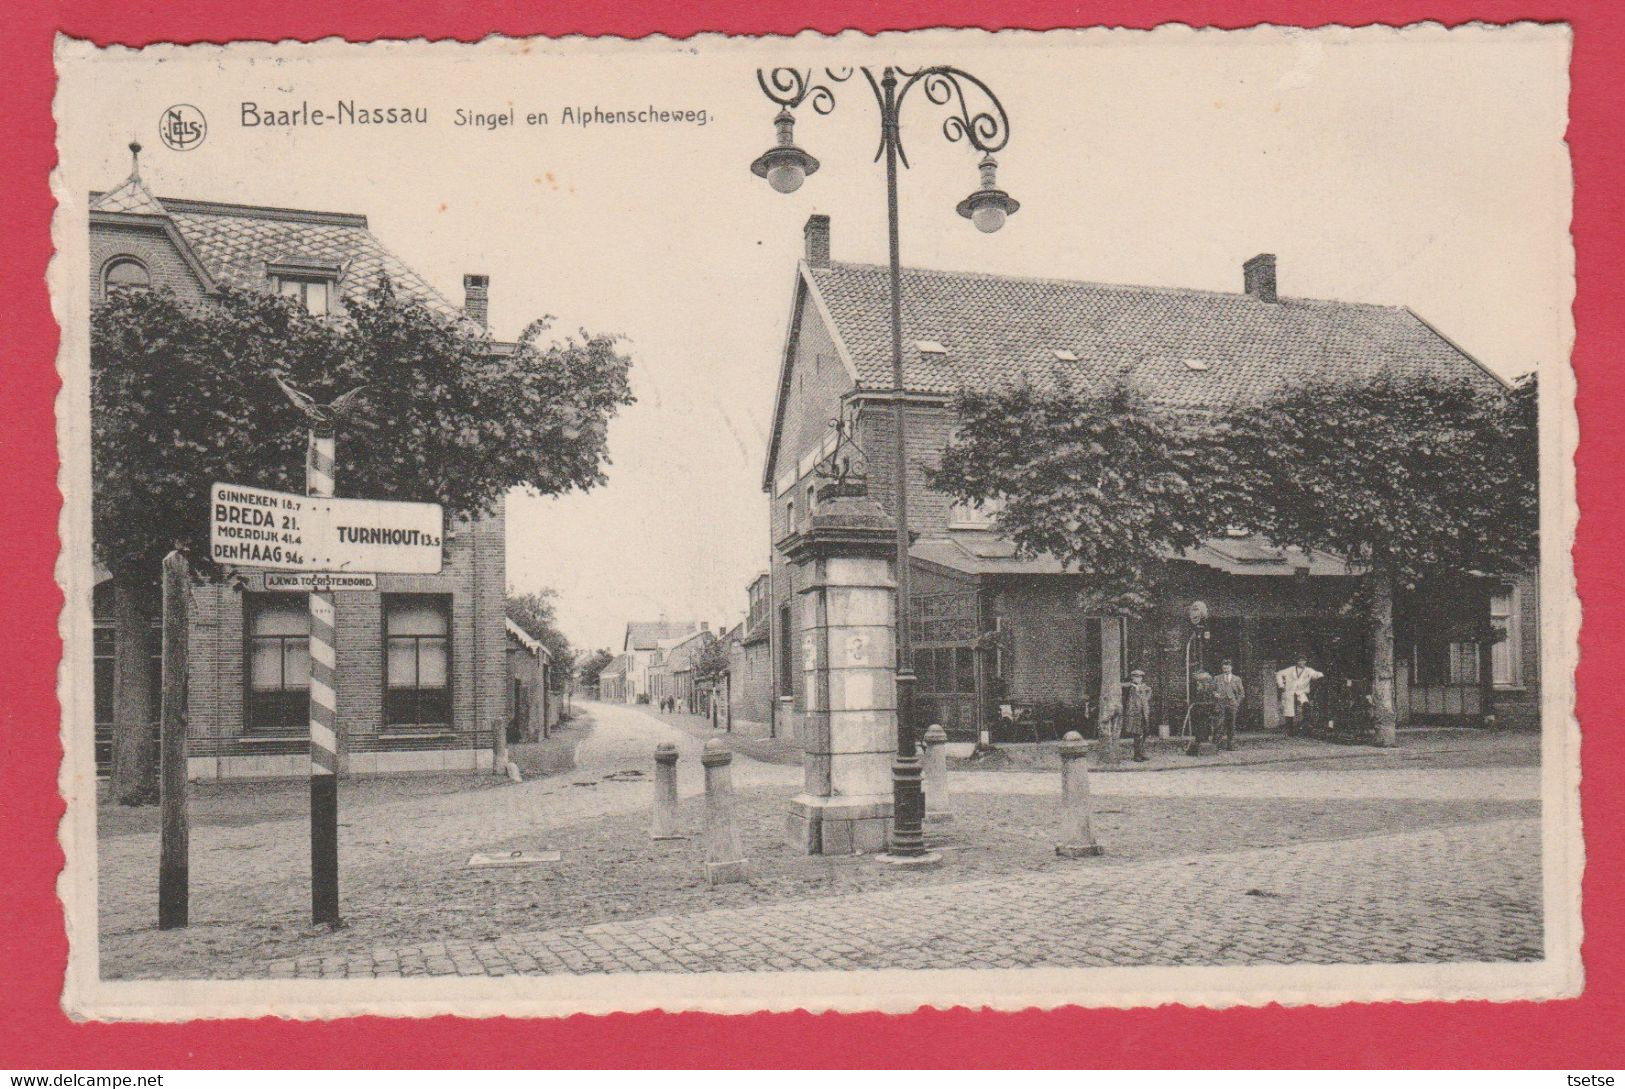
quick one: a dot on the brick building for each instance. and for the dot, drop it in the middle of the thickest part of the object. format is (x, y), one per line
(750, 664)
(671, 672)
(422, 674)
(533, 699)
(999, 635)
(644, 647)
(612, 683)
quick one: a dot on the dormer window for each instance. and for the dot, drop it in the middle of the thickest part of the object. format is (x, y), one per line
(313, 293)
(313, 284)
(125, 273)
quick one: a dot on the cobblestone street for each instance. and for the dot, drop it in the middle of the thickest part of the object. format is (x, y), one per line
(1304, 860)
(1461, 894)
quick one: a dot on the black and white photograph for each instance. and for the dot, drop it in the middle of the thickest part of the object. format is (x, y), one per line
(941, 518)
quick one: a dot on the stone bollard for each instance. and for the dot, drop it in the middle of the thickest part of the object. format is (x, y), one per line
(1077, 837)
(664, 825)
(499, 747)
(938, 806)
(724, 852)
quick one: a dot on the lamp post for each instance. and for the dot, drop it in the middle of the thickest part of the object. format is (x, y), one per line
(786, 166)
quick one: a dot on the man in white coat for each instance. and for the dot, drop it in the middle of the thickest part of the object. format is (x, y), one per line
(1293, 683)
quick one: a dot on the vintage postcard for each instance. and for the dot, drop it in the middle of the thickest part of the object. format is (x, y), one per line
(939, 518)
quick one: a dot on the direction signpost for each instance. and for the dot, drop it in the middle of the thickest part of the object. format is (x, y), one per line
(322, 545)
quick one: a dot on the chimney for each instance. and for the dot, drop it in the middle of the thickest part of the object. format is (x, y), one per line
(817, 234)
(1258, 277)
(705, 625)
(477, 298)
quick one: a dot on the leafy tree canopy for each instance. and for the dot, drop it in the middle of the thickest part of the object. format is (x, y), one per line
(712, 662)
(183, 395)
(593, 665)
(1415, 478)
(1097, 478)
(536, 614)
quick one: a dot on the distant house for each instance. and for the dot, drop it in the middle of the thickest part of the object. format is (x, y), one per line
(997, 635)
(678, 660)
(612, 680)
(420, 659)
(642, 649)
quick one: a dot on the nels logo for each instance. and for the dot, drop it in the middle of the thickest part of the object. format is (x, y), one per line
(182, 127)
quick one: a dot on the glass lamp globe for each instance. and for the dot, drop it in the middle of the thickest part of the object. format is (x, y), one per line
(784, 165)
(786, 177)
(988, 218)
(988, 206)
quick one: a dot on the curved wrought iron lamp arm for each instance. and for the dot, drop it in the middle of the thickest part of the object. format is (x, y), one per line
(985, 128)
(790, 87)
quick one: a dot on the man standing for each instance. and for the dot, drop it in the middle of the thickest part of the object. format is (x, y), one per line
(1293, 684)
(1227, 693)
(1137, 711)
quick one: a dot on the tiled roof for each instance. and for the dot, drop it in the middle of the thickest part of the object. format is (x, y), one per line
(524, 639)
(1182, 347)
(649, 634)
(239, 243)
(132, 197)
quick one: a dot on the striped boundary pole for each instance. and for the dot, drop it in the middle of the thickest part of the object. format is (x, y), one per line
(324, 755)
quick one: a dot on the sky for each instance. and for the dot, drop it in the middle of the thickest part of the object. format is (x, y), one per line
(1425, 168)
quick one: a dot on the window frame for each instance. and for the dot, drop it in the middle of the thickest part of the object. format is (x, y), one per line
(786, 652)
(298, 724)
(307, 281)
(115, 262)
(444, 603)
(1512, 645)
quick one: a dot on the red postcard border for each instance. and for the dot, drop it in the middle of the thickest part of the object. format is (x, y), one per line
(35, 1033)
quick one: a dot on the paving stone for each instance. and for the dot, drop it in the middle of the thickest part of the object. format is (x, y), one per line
(1456, 893)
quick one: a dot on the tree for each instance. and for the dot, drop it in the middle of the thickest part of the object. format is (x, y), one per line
(1096, 478)
(1417, 482)
(711, 664)
(592, 666)
(537, 614)
(183, 395)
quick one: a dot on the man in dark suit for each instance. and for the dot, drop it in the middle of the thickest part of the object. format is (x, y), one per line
(1228, 692)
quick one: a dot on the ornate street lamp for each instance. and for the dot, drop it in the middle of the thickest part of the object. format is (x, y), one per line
(786, 166)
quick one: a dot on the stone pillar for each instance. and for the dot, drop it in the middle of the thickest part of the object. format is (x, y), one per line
(1077, 836)
(938, 805)
(724, 851)
(848, 732)
(664, 825)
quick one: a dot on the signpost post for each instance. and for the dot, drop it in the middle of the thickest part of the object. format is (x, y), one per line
(322, 545)
(175, 838)
(324, 747)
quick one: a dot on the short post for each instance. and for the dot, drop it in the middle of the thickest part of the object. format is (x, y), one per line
(724, 852)
(499, 746)
(174, 847)
(1077, 837)
(938, 806)
(664, 825)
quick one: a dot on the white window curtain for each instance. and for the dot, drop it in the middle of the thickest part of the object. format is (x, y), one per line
(1506, 655)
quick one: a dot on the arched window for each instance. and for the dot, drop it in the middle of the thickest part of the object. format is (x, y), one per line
(125, 272)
